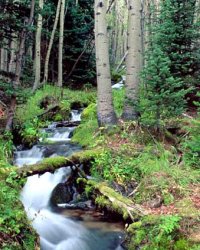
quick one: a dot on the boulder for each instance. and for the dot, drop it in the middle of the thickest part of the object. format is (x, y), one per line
(62, 193)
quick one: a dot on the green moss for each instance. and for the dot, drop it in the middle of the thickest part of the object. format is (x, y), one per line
(84, 134)
(181, 244)
(114, 201)
(51, 164)
(102, 202)
(33, 106)
(186, 207)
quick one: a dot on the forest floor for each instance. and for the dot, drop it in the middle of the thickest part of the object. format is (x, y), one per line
(152, 170)
(157, 170)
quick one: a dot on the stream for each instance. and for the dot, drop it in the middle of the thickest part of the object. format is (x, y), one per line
(61, 228)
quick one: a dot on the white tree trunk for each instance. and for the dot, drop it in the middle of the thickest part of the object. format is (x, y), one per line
(37, 62)
(133, 59)
(60, 48)
(46, 66)
(105, 111)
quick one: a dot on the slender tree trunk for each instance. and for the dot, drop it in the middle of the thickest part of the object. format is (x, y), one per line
(133, 59)
(38, 48)
(46, 66)
(13, 49)
(60, 49)
(121, 62)
(2, 58)
(20, 53)
(105, 110)
(6, 58)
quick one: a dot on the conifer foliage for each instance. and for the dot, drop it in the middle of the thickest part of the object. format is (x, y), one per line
(171, 55)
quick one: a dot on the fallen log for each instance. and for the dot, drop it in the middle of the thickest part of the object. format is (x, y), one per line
(114, 201)
(67, 124)
(50, 109)
(51, 164)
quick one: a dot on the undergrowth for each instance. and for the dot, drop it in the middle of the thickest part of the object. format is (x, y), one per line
(15, 230)
(33, 107)
(28, 119)
(87, 133)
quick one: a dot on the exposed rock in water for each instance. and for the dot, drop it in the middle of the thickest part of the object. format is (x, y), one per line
(83, 205)
(62, 193)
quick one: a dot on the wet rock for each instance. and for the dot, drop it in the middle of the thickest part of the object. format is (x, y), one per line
(83, 205)
(62, 193)
(71, 134)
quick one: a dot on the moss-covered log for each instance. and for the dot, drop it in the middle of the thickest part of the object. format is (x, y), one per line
(51, 164)
(109, 198)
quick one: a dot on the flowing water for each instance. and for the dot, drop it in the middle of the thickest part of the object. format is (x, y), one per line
(66, 229)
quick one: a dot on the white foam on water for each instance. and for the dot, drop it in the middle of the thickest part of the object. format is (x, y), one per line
(60, 135)
(28, 157)
(75, 116)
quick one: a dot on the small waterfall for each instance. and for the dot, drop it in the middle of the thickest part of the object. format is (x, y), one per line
(28, 157)
(60, 134)
(75, 115)
(38, 200)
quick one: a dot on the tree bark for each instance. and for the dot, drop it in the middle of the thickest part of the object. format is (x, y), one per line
(20, 53)
(38, 48)
(105, 110)
(133, 60)
(115, 201)
(11, 113)
(60, 49)
(46, 66)
(2, 59)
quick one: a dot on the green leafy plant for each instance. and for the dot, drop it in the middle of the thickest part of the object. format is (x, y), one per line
(30, 132)
(155, 232)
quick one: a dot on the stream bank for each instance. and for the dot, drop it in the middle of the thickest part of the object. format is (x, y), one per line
(59, 228)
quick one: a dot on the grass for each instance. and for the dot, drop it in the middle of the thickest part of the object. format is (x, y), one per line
(133, 157)
(118, 100)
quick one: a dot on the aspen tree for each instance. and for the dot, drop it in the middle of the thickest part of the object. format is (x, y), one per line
(133, 59)
(46, 66)
(105, 110)
(38, 47)
(60, 48)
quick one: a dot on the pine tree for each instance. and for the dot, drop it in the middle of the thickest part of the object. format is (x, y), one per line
(165, 64)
